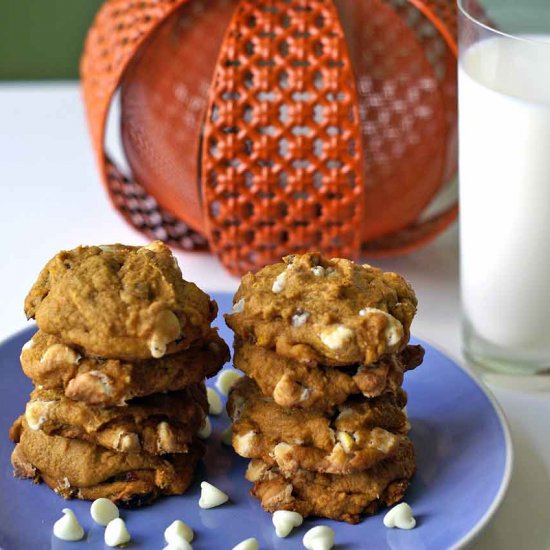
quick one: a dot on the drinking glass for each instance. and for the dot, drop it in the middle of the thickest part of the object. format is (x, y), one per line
(504, 171)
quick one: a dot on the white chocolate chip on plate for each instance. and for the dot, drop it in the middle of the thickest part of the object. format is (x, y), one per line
(206, 429)
(226, 379)
(215, 405)
(248, 544)
(319, 538)
(284, 521)
(116, 533)
(103, 511)
(400, 516)
(67, 527)
(211, 496)
(178, 529)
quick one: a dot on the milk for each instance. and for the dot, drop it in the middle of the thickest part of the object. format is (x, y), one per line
(504, 110)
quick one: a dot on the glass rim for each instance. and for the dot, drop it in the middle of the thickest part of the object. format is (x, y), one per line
(461, 7)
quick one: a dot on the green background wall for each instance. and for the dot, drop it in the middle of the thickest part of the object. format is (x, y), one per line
(43, 38)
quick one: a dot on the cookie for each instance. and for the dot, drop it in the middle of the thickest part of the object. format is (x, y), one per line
(356, 436)
(328, 312)
(295, 384)
(158, 424)
(108, 382)
(78, 469)
(340, 497)
(120, 301)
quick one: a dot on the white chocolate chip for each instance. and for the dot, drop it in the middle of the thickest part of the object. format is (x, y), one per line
(400, 516)
(116, 533)
(306, 392)
(215, 405)
(154, 246)
(67, 527)
(178, 530)
(280, 451)
(238, 307)
(165, 436)
(336, 337)
(103, 511)
(279, 283)
(319, 538)
(127, 442)
(345, 440)
(206, 429)
(318, 271)
(394, 329)
(28, 345)
(157, 347)
(248, 544)
(167, 329)
(299, 319)
(59, 354)
(103, 379)
(244, 444)
(226, 379)
(37, 413)
(227, 436)
(344, 413)
(284, 521)
(211, 496)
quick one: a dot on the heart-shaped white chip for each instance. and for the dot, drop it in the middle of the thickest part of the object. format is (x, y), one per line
(319, 538)
(284, 521)
(400, 516)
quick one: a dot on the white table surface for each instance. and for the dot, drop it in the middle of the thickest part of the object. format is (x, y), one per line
(52, 199)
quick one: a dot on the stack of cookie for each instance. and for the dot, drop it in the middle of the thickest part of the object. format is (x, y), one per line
(321, 411)
(119, 361)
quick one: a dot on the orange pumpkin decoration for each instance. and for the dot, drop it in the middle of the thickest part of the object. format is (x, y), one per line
(258, 129)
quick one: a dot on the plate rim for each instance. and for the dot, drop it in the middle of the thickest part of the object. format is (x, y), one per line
(485, 519)
(482, 523)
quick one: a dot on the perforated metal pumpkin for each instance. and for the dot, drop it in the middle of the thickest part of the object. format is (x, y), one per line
(258, 129)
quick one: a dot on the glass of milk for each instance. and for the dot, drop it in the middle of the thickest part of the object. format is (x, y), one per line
(504, 170)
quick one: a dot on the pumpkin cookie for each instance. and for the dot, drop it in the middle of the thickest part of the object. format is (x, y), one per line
(78, 469)
(295, 384)
(357, 435)
(97, 381)
(120, 301)
(328, 312)
(158, 424)
(340, 497)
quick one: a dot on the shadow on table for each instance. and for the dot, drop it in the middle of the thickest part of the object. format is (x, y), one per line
(522, 520)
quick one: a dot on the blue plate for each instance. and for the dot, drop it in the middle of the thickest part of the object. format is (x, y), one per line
(464, 463)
